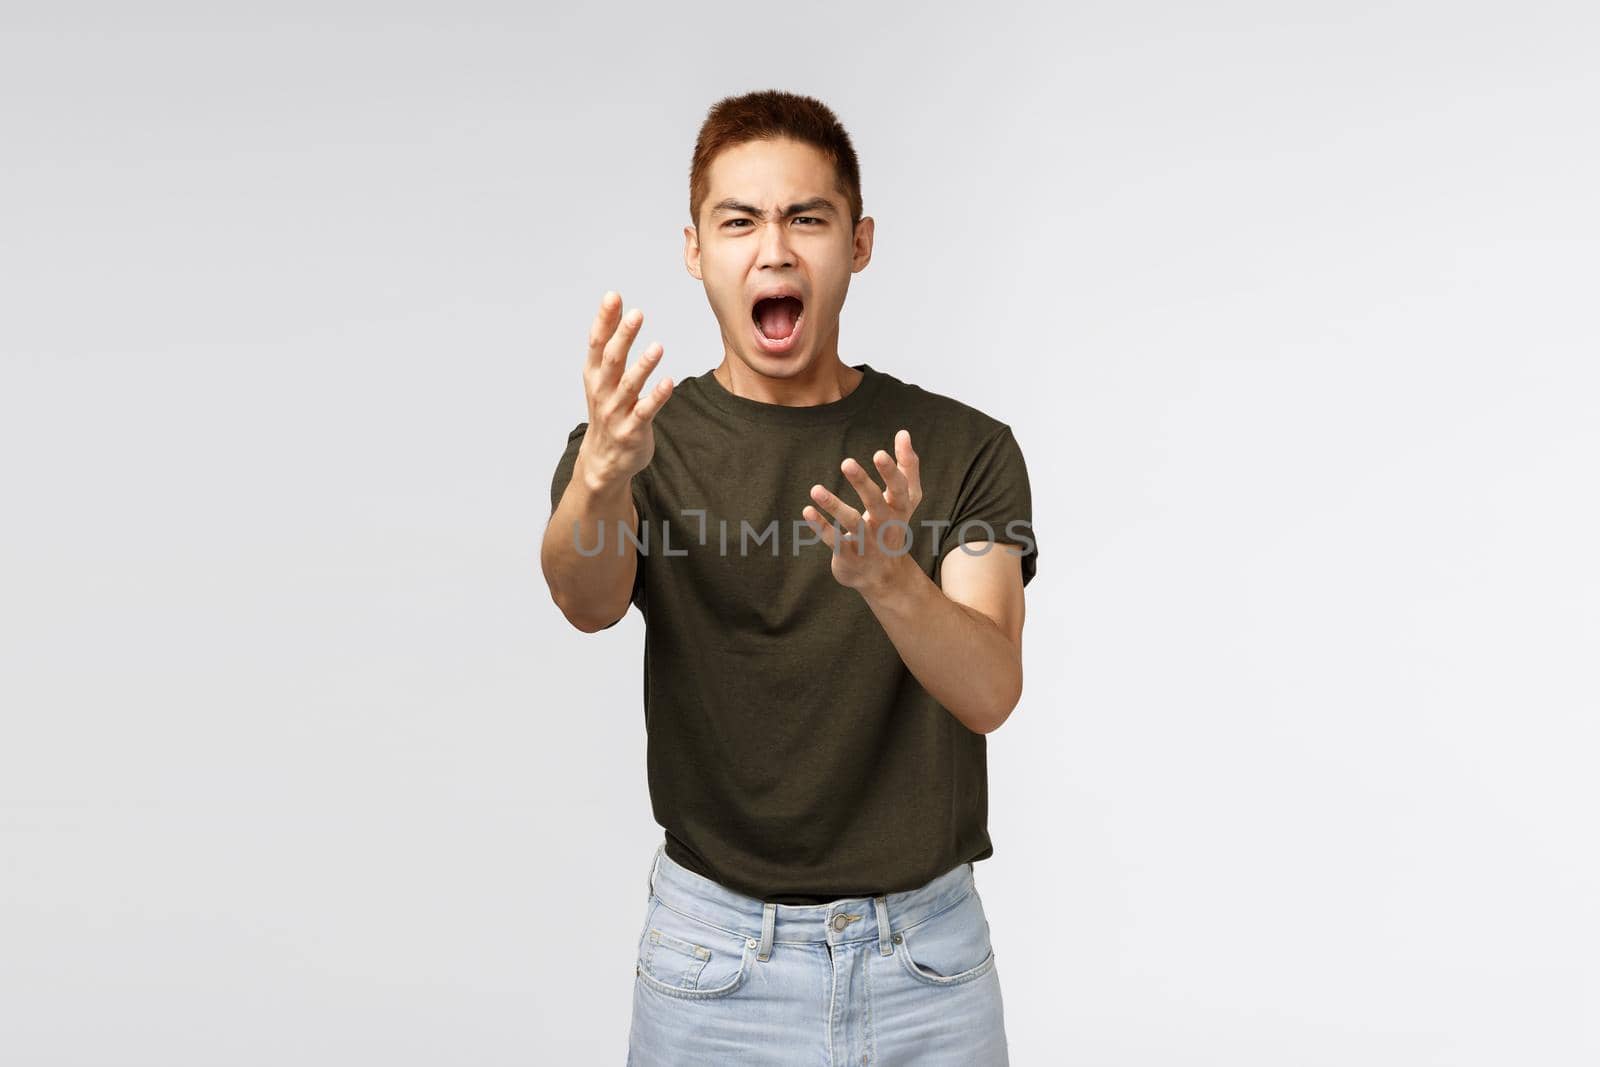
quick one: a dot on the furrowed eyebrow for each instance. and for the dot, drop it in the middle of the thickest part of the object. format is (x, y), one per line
(820, 205)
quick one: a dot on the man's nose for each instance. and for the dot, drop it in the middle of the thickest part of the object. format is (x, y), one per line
(775, 249)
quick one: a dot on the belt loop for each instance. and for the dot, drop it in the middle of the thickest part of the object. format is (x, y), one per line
(882, 904)
(769, 921)
(655, 864)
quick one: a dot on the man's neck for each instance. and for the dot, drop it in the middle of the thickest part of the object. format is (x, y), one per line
(833, 383)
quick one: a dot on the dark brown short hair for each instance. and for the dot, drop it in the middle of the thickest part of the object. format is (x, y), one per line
(767, 115)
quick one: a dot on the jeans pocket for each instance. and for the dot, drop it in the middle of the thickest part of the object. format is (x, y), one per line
(950, 947)
(682, 956)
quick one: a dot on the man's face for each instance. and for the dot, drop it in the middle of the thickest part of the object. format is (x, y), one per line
(773, 220)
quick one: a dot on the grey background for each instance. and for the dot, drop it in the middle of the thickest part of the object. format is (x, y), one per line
(1291, 307)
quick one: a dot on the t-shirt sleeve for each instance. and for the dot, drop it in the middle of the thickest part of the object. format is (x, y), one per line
(558, 486)
(994, 491)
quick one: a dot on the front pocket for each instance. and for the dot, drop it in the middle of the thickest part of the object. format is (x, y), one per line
(685, 957)
(949, 948)
(673, 960)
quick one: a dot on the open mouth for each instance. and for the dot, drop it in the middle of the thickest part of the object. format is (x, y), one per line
(777, 323)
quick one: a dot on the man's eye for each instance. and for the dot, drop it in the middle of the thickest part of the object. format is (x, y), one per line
(798, 218)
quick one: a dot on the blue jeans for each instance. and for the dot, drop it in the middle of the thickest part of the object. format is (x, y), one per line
(901, 979)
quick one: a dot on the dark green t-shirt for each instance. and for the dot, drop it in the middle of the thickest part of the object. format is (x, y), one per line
(791, 755)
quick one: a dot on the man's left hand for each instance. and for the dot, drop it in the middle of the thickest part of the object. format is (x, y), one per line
(871, 545)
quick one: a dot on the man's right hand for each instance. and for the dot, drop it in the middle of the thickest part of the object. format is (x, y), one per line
(620, 440)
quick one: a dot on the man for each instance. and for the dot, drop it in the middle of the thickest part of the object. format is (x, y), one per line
(821, 664)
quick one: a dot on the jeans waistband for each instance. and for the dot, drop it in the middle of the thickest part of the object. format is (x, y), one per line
(840, 921)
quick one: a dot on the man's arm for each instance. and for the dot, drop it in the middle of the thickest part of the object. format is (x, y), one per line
(592, 590)
(961, 638)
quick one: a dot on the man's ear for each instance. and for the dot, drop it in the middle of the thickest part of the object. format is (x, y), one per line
(861, 253)
(691, 251)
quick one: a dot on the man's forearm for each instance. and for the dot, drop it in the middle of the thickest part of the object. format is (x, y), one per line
(960, 656)
(591, 588)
